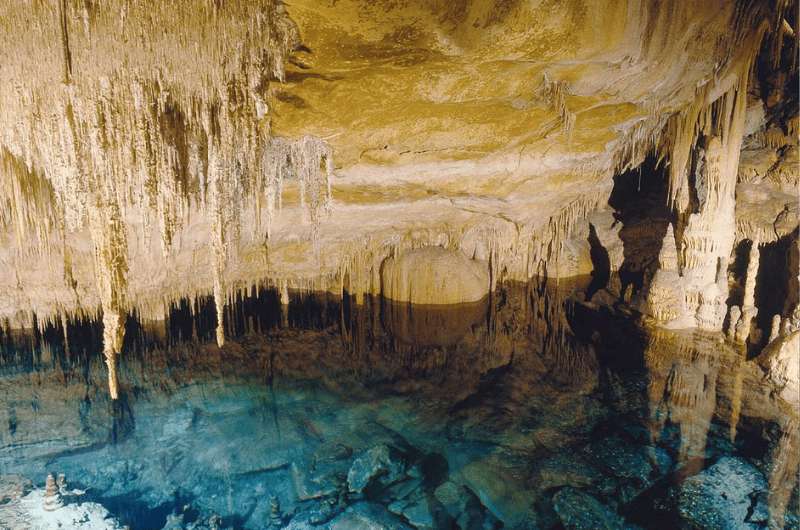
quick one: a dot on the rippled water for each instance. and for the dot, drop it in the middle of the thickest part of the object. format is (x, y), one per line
(524, 411)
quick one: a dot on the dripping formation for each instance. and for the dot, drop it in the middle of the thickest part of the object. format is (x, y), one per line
(121, 127)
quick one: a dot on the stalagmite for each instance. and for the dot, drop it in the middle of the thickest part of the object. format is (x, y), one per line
(705, 208)
(775, 328)
(275, 515)
(284, 303)
(664, 298)
(733, 320)
(52, 497)
(749, 309)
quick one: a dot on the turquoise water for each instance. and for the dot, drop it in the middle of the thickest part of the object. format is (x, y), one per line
(525, 411)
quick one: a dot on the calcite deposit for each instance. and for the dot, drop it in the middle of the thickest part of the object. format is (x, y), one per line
(153, 154)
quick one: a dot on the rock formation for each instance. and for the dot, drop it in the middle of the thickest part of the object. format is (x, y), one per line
(434, 276)
(781, 359)
(749, 309)
(665, 299)
(425, 151)
(52, 496)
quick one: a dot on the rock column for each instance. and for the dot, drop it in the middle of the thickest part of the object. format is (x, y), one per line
(749, 309)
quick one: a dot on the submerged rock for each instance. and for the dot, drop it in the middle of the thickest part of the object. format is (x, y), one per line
(382, 463)
(580, 511)
(724, 496)
(417, 510)
(464, 507)
(367, 516)
(635, 467)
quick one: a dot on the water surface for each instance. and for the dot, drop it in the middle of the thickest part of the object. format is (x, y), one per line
(523, 411)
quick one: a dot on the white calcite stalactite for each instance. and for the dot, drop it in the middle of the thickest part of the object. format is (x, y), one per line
(111, 269)
(556, 92)
(706, 209)
(150, 147)
(749, 309)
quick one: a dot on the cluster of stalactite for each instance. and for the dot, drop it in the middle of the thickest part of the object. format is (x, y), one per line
(555, 93)
(122, 114)
(702, 143)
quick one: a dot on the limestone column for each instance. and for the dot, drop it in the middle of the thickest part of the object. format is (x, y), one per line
(749, 309)
(708, 240)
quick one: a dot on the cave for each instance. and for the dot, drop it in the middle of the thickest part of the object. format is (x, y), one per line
(418, 265)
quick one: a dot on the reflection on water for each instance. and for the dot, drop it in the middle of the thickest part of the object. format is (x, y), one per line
(526, 410)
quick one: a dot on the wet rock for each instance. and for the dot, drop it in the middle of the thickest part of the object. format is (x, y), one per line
(624, 460)
(13, 487)
(498, 490)
(381, 463)
(174, 522)
(331, 452)
(724, 496)
(635, 467)
(367, 516)
(403, 489)
(567, 470)
(417, 510)
(303, 521)
(580, 511)
(309, 486)
(464, 507)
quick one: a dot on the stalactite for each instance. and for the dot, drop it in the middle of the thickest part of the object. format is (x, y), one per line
(25, 205)
(706, 221)
(62, 15)
(111, 268)
(555, 93)
(120, 139)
